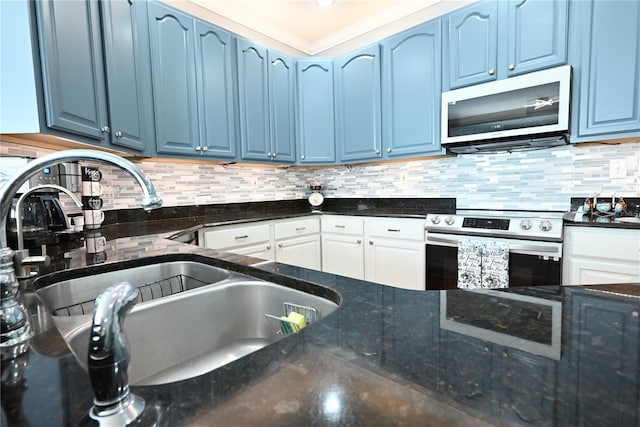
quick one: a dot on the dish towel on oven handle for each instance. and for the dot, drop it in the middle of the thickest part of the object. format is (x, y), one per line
(495, 265)
(469, 264)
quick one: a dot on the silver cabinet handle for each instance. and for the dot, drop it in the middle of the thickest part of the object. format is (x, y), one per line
(268, 154)
(359, 241)
(302, 157)
(388, 150)
(492, 71)
(301, 228)
(393, 230)
(512, 66)
(371, 242)
(205, 148)
(377, 151)
(105, 129)
(273, 155)
(241, 237)
(339, 226)
(268, 247)
(198, 148)
(281, 245)
(119, 134)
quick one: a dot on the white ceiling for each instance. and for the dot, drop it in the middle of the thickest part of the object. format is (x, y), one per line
(311, 29)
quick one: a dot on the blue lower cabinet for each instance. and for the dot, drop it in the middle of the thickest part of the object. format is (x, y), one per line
(357, 99)
(315, 111)
(411, 92)
(605, 54)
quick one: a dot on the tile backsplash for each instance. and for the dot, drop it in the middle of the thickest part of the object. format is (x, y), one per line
(544, 179)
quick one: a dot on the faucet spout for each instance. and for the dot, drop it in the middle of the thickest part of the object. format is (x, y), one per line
(14, 324)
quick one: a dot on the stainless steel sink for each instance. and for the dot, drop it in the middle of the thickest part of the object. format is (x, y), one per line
(191, 317)
(76, 296)
(191, 333)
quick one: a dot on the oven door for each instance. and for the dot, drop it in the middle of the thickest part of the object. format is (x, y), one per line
(531, 263)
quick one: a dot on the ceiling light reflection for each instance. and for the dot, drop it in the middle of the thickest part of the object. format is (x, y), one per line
(332, 405)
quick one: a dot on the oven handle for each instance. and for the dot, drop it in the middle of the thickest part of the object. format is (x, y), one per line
(518, 247)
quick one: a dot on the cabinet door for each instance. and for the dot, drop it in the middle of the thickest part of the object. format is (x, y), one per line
(585, 271)
(128, 74)
(316, 137)
(606, 101)
(357, 95)
(261, 251)
(411, 91)
(535, 33)
(343, 255)
(253, 100)
(395, 262)
(174, 80)
(300, 251)
(603, 355)
(472, 36)
(215, 94)
(72, 67)
(526, 385)
(281, 107)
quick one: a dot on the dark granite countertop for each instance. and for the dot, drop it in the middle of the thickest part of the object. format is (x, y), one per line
(548, 355)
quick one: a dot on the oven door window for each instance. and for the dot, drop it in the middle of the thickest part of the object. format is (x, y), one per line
(524, 270)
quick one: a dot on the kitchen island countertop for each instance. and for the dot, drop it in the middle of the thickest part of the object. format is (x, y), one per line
(387, 356)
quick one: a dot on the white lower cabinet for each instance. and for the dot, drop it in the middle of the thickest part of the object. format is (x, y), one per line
(600, 255)
(297, 242)
(253, 239)
(342, 250)
(394, 252)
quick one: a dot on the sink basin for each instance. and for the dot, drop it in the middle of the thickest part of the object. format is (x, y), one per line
(191, 333)
(190, 318)
(76, 296)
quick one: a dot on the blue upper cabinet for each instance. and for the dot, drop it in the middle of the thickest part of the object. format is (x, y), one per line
(411, 91)
(73, 68)
(315, 108)
(281, 107)
(96, 72)
(174, 80)
(496, 39)
(605, 54)
(265, 98)
(192, 85)
(472, 40)
(357, 99)
(536, 34)
(253, 99)
(216, 118)
(128, 74)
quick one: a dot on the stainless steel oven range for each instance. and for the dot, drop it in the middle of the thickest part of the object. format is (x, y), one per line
(533, 239)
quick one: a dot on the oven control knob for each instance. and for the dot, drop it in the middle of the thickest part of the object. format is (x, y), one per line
(545, 225)
(449, 220)
(525, 224)
(435, 219)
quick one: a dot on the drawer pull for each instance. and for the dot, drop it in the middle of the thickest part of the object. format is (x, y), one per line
(339, 226)
(241, 237)
(301, 228)
(393, 230)
(281, 245)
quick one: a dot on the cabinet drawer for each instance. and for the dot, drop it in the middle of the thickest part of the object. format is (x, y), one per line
(604, 243)
(236, 236)
(297, 227)
(342, 224)
(406, 229)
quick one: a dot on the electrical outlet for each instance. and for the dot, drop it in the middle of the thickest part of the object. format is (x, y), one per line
(617, 168)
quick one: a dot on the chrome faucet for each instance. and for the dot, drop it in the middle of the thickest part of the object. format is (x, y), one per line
(14, 321)
(108, 363)
(23, 262)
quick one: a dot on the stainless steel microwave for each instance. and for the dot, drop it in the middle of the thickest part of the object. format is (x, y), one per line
(527, 111)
